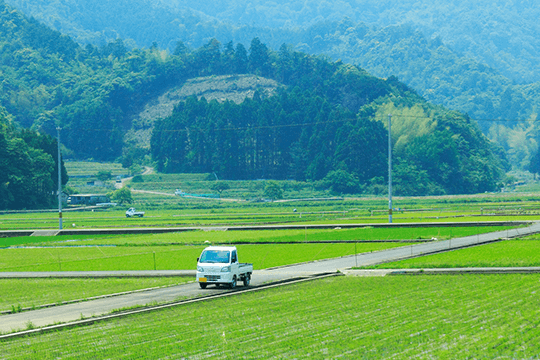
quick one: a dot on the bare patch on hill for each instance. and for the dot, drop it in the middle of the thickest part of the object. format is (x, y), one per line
(221, 88)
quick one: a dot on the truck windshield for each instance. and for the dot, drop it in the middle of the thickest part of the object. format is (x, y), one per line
(214, 256)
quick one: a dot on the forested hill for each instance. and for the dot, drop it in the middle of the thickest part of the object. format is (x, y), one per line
(504, 34)
(500, 33)
(480, 58)
(325, 121)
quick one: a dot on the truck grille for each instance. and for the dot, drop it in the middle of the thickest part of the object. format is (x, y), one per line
(213, 277)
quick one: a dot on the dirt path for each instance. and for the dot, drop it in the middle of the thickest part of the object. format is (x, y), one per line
(147, 171)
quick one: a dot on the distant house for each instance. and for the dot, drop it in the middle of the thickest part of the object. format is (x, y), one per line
(88, 199)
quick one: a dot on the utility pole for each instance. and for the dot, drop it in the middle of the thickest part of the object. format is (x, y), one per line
(59, 182)
(390, 168)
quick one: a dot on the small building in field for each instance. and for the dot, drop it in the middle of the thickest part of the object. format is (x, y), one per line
(88, 199)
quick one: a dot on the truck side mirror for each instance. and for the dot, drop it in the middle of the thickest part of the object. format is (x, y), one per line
(197, 259)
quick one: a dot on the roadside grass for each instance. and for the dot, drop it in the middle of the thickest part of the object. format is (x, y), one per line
(465, 316)
(523, 252)
(18, 294)
(173, 257)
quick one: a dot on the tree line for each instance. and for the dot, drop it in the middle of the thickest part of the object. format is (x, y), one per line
(28, 167)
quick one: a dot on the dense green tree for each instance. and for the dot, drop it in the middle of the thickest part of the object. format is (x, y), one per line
(341, 182)
(240, 59)
(534, 165)
(259, 59)
(273, 190)
(103, 175)
(220, 186)
(122, 196)
(27, 171)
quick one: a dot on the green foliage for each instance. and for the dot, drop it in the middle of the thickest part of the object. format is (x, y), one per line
(438, 151)
(136, 169)
(275, 136)
(49, 79)
(103, 175)
(340, 182)
(122, 196)
(220, 186)
(307, 130)
(273, 190)
(28, 169)
(450, 61)
(260, 142)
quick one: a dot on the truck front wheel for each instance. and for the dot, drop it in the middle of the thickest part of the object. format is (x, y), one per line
(232, 285)
(202, 285)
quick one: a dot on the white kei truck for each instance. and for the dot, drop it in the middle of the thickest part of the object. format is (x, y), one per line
(219, 265)
(131, 212)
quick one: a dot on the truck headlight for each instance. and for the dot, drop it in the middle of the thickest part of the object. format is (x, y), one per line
(226, 269)
(200, 269)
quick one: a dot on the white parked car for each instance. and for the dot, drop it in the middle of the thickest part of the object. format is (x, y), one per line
(219, 265)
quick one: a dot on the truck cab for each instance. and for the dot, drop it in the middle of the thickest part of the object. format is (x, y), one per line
(219, 265)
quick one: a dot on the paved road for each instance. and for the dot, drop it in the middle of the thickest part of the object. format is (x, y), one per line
(73, 312)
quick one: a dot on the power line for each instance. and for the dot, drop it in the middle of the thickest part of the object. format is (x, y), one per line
(276, 126)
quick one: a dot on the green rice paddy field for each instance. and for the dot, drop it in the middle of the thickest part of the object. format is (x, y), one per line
(178, 251)
(343, 213)
(510, 253)
(169, 252)
(256, 236)
(18, 294)
(425, 317)
(174, 257)
(400, 317)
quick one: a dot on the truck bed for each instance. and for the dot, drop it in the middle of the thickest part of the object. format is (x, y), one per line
(245, 267)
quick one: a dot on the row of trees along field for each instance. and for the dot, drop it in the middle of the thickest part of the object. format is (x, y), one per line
(28, 167)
